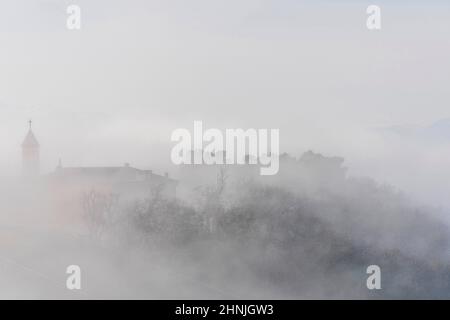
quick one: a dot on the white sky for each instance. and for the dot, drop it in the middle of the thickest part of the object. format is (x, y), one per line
(114, 91)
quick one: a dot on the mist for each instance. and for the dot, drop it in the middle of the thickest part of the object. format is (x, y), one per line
(364, 142)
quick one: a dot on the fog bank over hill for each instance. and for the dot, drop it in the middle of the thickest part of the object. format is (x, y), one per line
(309, 232)
(415, 158)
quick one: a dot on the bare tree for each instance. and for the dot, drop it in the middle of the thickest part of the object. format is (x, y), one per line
(98, 209)
(213, 206)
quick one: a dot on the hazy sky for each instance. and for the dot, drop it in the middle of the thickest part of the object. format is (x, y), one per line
(138, 69)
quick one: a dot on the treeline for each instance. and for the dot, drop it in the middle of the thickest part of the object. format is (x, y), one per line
(297, 244)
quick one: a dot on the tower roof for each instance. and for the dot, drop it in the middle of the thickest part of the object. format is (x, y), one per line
(30, 140)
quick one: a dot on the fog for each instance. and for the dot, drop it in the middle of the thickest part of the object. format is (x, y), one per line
(308, 232)
(114, 91)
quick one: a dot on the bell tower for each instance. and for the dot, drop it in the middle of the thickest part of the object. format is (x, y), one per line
(30, 154)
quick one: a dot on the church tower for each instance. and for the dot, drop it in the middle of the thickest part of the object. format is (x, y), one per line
(30, 154)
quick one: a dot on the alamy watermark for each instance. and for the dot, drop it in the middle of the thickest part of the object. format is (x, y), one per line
(373, 21)
(236, 146)
(374, 18)
(74, 17)
(374, 280)
(73, 281)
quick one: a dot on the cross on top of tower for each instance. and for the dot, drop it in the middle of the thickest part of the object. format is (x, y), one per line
(30, 153)
(30, 140)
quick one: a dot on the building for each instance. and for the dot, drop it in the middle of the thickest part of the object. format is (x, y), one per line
(124, 181)
(30, 154)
